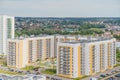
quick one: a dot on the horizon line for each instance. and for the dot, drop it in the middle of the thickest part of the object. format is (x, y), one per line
(69, 17)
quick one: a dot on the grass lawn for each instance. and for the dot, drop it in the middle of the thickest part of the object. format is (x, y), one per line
(28, 68)
(49, 71)
(117, 57)
(45, 64)
(118, 54)
(117, 65)
(10, 73)
(80, 78)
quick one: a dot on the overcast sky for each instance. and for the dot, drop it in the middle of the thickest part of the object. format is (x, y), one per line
(61, 8)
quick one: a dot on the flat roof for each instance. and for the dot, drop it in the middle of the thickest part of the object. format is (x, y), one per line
(87, 41)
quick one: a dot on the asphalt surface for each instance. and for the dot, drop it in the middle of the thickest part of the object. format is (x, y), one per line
(51, 77)
(106, 72)
(56, 77)
(61, 78)
(111, 76)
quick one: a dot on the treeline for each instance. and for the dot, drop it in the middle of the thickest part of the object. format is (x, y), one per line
(51, 32)
(84, 29)
(39, 31)
(113, 21)
(118, 54)
(117, 37)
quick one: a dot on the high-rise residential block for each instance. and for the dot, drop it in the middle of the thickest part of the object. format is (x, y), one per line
(85, 57)
(6, 31)
(17, 56)
(61, 38)
(22, 52)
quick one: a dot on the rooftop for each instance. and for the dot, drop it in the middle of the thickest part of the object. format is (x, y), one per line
(88, 40)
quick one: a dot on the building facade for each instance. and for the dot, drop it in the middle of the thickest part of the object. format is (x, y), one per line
(40, 48)
(17, 53)
(85, 57)
(22, 52)
(6, 31)
(61, 38)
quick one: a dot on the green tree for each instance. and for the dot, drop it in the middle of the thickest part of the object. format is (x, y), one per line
(118, 54)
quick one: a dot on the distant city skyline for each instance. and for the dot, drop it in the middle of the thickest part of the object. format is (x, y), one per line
(60, 8)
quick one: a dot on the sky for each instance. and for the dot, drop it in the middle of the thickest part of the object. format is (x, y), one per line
(60, 8)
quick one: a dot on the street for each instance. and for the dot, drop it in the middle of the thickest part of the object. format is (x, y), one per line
(54, 77)
(104, 73)
(50, 77)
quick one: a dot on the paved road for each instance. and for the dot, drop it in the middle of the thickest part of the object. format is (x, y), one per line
(57, 77)
(110, 76)
(34, 72)
(106, 72)
(61, 78)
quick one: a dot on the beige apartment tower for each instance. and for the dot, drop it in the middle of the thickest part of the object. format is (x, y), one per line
(85, 57)
(23, 51)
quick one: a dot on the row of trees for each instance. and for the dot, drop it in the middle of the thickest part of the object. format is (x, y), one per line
(89, 26)
(84, 29)
(50, 32)
(117, 37)
(118, 54)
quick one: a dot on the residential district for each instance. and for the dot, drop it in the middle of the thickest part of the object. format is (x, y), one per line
(56, 57)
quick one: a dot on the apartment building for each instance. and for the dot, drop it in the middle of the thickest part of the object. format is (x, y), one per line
(23, 51)
(6, 31)
(85, 57)
(61, 38)
(17, 53)
(40, 48)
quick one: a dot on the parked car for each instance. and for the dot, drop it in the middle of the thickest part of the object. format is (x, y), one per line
(28, 72)
(37, 73)
(93, 78)
(102, 75)
(111, 78)
(118, 75)
(113, 72)
(108, 74)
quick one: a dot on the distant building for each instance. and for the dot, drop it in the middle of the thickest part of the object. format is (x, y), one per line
(107, 34)
(118, 44)
(85, 57)
(95, 22)
(6, 31)
(22, 52)
(117, 33)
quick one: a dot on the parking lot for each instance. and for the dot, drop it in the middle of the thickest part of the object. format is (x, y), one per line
(112, 74)
(35, 72)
